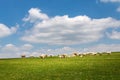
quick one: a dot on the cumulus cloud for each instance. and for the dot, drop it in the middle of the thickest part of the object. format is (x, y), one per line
(26, 47)
(12, 51)
(5, 31)
(114, 1)
(35, 14)
(9, 48)
(63, 50)
(104, 47)
(65, 30)
(114, 35)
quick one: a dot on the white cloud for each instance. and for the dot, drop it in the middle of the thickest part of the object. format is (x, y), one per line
(105, 47)
(5, 31)
(118, 9)
(65, 30)
(10, 48)
(114, 1)
(114, 35)
(63, 50)
(14, 48)
(35, 14)
(26, 47)
(12, 51)
(7, 51)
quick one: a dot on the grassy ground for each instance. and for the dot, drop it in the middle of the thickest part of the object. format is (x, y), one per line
(105, 67)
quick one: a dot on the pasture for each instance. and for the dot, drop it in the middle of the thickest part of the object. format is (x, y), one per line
(104, 67)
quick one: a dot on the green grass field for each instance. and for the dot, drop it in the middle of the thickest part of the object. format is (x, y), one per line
(105, 67)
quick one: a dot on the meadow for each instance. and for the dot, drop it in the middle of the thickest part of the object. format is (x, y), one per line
(105, 67)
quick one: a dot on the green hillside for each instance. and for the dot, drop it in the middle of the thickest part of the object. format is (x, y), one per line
(105, 67)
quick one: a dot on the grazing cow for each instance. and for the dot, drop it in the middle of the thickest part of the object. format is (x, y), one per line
(80, 54)
(99, 53)
(42, 56)
(94, 53)
(84, 54)
(109, 52)
(76, 54)
(23, 56)
(63, 56)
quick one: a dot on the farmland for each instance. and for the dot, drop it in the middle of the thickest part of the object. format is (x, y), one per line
(104, 67)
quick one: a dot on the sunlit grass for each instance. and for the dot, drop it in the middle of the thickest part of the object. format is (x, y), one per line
(105, 67)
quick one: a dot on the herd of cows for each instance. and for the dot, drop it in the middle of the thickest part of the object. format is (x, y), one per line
(42, 56)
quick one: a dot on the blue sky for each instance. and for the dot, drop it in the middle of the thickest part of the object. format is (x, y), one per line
(58, 26)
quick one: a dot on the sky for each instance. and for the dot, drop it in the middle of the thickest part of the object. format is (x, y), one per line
(37, 27)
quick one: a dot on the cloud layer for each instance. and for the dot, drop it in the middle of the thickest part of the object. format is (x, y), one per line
(13, 51)
(65, 30)
(114, 1)
(6, 31)
(104, 47)
(114, 35)
(35, 15)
